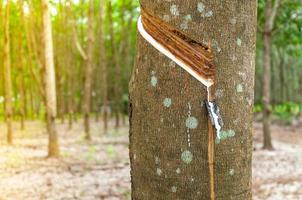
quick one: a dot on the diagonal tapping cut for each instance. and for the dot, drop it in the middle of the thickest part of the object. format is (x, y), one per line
(196, 58)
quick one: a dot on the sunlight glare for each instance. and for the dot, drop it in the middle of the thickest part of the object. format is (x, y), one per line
(26, 8)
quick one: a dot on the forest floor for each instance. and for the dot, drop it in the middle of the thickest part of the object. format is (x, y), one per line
(100, 169)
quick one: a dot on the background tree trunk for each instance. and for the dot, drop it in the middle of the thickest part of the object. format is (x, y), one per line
(8, 89)
(22, 68)
(270, 15)
(115, 62)
(50, 82)
(88, 72)
(103, 63)
(71, 68)
(168, 121)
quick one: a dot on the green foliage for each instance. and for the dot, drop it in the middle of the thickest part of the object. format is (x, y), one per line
(257, 108)
(287, 109)
(285, 112)
(286, 55)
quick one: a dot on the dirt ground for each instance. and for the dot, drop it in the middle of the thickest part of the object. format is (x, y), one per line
(100, 169)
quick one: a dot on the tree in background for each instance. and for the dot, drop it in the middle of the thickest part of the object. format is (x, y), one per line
(88, 71)
(270, 16)
(168, 122)
(21, 78)
(117, 93)
(8, 89)
(50, 82)
(104, 71)
(280, 37)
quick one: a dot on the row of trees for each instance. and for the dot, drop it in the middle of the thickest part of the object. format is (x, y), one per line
(94, 46)
(66, 58)
(279, 73)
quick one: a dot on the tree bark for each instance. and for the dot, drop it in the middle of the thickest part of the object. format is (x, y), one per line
(21, 69)
(8, 89)
(168, 121)
(70, 70)
(50, 82)
(281, 76)
(103, 63)
(88, 72)
(117, 92)
(270, 15)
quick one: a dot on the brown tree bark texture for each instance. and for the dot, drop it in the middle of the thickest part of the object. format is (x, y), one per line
(270, 16)
(88, 72)
(22, 87)
(8, 89)
(50, 82)
(168, 121)
(103, 63)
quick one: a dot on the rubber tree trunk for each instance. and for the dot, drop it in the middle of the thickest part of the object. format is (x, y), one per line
(103, 63)
(22, 69)
(270, 15)
(266, 93)
(117, 91)
(88, 73)
(8, 89)
(50, 82)
(168, 121)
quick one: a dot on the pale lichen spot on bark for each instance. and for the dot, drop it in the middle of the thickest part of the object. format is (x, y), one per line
(174, 10)
(185, 24)
(216, 46)
(249, 101)
(200, 7)
(167, 102)
(172, 64)
(159, 171)
(174, 189)
(188, 17)
(162, 120)
(233, 21)
(242, 75)
(239, 42)
(153, 80)
(231, 172)
(191, 123)
(236, 121)
(227, 134)
(233, 58)
(187, 157)
(178, 170)
(209, 14)
(239, 88)
(157, 160)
